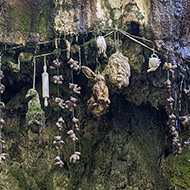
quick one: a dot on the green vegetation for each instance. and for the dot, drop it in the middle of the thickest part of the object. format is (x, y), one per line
(177, 170)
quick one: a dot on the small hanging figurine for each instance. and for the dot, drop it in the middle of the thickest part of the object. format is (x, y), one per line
(58, 79)
(60, 123)
(56, 64)
(102, 46)
(153, 63)
(45, 84)
(72, 135)
(185, 120)
(58, 161)
(170, 67)
(35, 116)
(73, 64)
(71, 104)
(99, 101)
(76, 89)
(74, 157)
(60, 102)
(58, 142)
(75, 122)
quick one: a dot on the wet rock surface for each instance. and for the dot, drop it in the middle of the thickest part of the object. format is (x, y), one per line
(122, 149)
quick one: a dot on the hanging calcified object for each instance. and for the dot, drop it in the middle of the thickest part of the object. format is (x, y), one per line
(187, 143)
(58, 79)
(45, 84)
(170, 67)
(168, 85)
(74, 65)
(185, 120)
(2, 122)
(2, 88)
(187, 92)
(154, 63)
(58, 161)
(118, 70)
(76, 121)
(35, 116)
(76, 89)
(60, 123)
(56, 64)
(68, 45)
(74, 157)
(102, 46)
(170, 100)
(72, 135)
(99, 101)
(60, 102)
(1, 75)
(71, 104)
(58, 142)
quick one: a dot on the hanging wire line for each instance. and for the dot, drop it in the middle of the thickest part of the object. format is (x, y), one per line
(117, 41)
(45, 63)
(180, 91)
(73, 113)
(115, 38)
(137, 41)
(1, 55)
(1, 148)
(34, 73)
(80, 62)
(130, 36)
(141, 38)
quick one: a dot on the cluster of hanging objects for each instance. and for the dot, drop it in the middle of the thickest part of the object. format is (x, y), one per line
(99, 101)
(178, 88)
(2, 121)
(68, 105)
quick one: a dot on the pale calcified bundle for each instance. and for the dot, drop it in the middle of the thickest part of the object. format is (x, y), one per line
(154, 63)
(118, 70)
(102, 46)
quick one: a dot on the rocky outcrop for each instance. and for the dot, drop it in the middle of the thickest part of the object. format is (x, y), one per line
(124, 148)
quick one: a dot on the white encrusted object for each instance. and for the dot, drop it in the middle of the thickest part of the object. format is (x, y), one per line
(118, 70)
(45, 85)
(74, 157)
(102, 46)
(58, 161)
(154, 63)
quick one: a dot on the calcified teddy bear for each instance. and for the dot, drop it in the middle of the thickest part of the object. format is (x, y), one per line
(99, 102)
(118, 70)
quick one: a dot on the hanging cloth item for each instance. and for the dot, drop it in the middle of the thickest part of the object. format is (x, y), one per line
(45, 84)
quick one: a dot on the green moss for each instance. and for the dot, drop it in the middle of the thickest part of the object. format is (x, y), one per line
(18, 174)
(42, 20)
(35, 109)
(111, 12)
(129, 8)
(24, 25)
(12, 63)
(177, 171)
(25, 57)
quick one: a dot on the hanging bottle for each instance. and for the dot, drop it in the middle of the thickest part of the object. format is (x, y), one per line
(45, 84)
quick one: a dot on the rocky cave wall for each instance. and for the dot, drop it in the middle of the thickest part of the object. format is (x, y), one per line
(123, 149)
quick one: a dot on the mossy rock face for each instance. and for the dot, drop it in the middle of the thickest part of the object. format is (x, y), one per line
(25, 21)
(177, 170)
